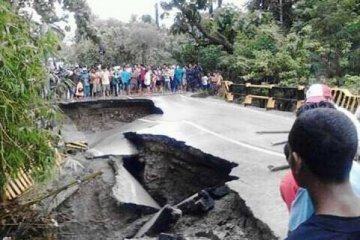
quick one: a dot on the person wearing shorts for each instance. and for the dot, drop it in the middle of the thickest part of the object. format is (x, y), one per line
(106, 75)
(147, 80)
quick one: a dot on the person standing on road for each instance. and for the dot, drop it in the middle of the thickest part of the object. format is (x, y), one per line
(85, 79)
(297, 199)
(95, 82)
(142, 78)
(322, 144)
(125, 78)
(204, 82)
(135, 79)
(115, 82)
(179, 72)
(167, 79)
(106, 75)
(147, 80)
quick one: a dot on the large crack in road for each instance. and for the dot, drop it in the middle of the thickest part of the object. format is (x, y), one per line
(161, 189)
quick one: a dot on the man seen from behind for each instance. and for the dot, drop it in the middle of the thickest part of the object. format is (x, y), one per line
(322, 146)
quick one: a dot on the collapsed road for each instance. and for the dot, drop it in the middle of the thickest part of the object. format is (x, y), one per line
(174, 167)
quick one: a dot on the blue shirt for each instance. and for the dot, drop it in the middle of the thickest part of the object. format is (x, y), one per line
(85, 77)
(179, 74)
(302, 207)
(125, 77)
(326, 227)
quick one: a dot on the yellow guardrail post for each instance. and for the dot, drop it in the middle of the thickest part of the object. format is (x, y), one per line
(344, 98)
(229, 96)
(270, 102)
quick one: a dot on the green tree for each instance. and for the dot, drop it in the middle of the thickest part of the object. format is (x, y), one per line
(190, 20)
(47, 10)
(134, 42)
(335, 25)
(23, 144)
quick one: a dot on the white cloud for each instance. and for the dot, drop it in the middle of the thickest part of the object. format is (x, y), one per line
(123, 10)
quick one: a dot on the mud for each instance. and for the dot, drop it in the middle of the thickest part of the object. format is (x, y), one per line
(92, 212)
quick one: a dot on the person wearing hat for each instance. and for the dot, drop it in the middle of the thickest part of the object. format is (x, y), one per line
(297, 199)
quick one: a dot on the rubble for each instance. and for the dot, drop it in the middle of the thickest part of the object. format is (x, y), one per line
(128, 191)
(167, 236)
(160, 222)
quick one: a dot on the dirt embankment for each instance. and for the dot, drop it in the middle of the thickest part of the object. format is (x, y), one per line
(104, 114)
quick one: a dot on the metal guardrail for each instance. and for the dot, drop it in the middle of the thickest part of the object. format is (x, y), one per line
(273, 96)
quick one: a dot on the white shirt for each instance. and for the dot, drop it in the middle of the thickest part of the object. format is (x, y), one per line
(204, 80)
(105, 77)
(147, 79)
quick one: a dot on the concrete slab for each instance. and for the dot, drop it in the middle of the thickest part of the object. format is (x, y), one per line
(128, 191)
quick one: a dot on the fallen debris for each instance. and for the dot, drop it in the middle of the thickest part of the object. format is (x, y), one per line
(160, 222)
(198, 203)
(218, 192)
(168, 236)
(73, 147)
(279, 143)
(128, 191)
(278, 168)
(31, 219)
(272, 132)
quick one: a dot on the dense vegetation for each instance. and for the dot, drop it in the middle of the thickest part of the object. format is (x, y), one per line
(24, 143)
(139, 41)
(298, 42)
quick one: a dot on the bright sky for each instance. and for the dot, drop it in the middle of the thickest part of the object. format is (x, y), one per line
(123, 9)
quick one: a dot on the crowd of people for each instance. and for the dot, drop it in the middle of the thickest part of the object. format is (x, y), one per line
(140, 79)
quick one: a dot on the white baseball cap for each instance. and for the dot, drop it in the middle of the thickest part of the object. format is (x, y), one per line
(317, 93)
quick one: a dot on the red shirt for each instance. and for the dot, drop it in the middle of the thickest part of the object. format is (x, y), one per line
(142, 74)
(288, 189)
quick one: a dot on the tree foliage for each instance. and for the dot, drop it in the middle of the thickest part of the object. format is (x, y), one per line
(23, 144)
(134, 42)
(315, 39)
(46, 9)
(189, 20)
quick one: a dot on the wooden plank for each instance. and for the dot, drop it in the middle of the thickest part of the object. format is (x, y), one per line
(27, 177)
(11, 192)
(19, 185)
(23, 182)
(7, 195)
(14, 187)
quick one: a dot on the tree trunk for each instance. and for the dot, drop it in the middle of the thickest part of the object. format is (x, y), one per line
(281, 13)
(157, 15)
